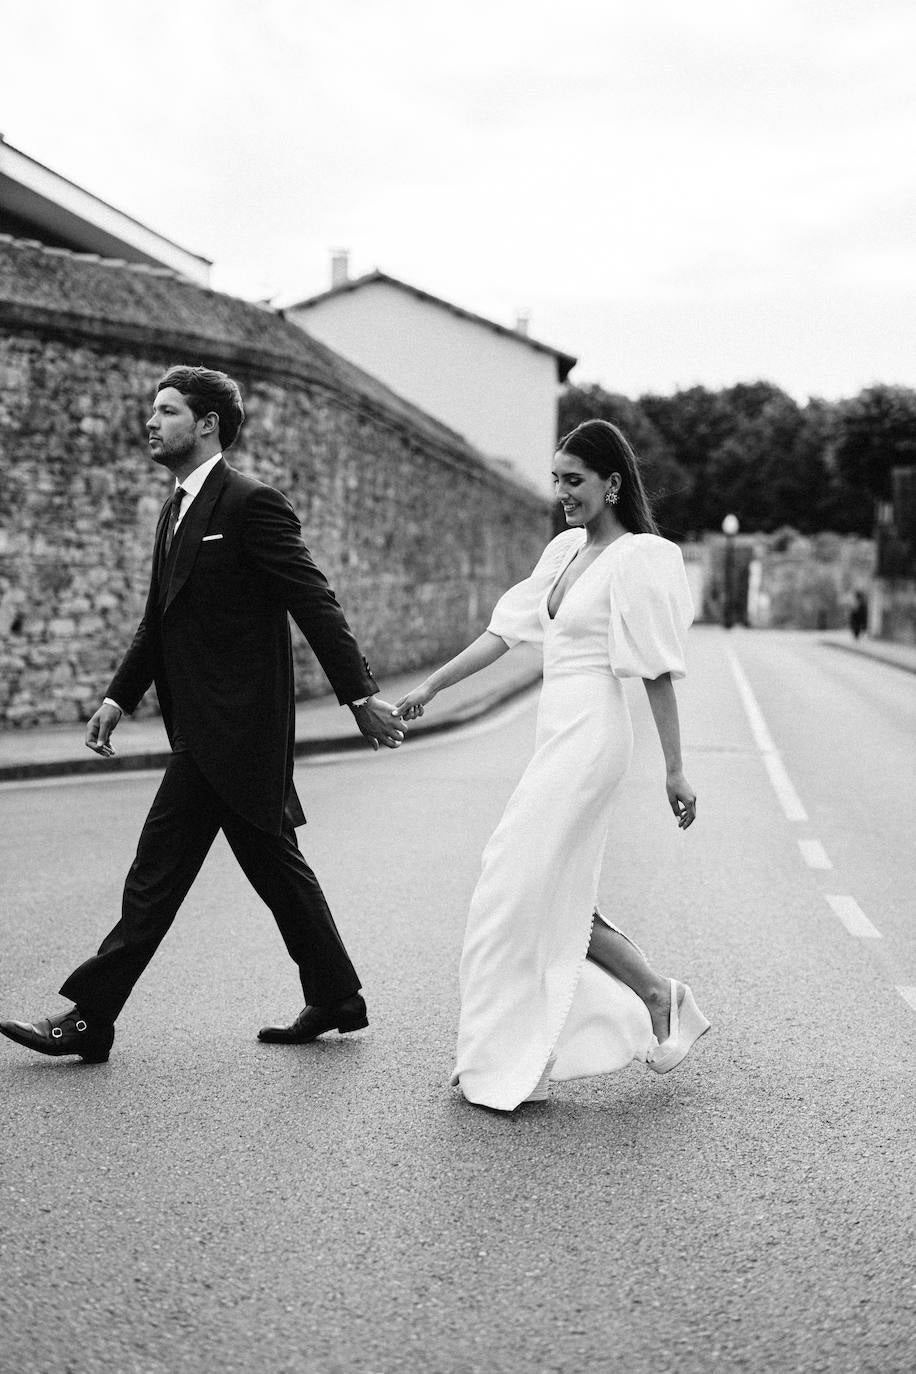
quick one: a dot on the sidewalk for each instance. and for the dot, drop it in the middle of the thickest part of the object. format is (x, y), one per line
(322, 726)
(884, 650)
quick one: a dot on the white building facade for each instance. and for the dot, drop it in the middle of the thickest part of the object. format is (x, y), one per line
(495, 386)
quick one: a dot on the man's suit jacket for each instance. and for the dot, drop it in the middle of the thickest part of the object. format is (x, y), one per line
(215, 640)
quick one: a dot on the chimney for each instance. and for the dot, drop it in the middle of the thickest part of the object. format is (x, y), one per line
(522, 321)
(340, 267)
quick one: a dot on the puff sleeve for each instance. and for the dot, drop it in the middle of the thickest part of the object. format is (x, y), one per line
(516, 616)
(651, 610)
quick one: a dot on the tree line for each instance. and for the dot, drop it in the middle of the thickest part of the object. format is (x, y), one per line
(753, 451)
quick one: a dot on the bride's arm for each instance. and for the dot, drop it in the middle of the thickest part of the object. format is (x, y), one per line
(681, 796)
(486, 649)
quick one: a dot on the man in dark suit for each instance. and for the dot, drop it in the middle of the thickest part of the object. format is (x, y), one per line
(229, 568)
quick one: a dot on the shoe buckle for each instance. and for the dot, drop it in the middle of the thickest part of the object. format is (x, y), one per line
(56, 1032)
(81, 1026)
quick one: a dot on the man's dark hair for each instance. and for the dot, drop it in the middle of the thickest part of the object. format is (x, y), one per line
(208, 391)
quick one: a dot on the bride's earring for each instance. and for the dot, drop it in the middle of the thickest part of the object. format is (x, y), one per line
(610, 497)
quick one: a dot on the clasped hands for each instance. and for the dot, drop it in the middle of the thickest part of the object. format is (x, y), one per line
(382, 723)
(410, 706)
(379, 722)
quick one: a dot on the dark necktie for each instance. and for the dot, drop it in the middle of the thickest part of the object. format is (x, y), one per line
(177, 498)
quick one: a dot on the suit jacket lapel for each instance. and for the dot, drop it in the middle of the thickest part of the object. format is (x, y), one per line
(191, 528)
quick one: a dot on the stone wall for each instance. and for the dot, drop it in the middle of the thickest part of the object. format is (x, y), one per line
(892, 609)
(787, 580)
(892, 606)
(808, 583)
(416, 534)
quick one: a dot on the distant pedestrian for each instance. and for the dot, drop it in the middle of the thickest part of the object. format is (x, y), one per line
(608, 599)
(858, 615)
(229, 567)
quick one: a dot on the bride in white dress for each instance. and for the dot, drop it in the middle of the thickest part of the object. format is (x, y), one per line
(550, 989)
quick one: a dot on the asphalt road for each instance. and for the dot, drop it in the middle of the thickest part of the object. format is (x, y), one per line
(203, 1202)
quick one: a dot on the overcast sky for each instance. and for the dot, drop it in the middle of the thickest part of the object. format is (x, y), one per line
(677, 192)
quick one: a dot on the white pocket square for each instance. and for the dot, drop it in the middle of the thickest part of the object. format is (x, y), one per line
(210, 536)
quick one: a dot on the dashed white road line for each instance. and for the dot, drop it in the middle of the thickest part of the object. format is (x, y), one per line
(908, 995)
(789, 799)
(814, 854)
(854, 918)
(847, 909)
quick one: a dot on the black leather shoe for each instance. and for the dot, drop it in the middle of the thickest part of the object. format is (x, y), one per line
(67, 1033)
(348, 1015)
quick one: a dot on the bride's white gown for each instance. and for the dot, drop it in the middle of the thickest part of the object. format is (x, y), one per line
(527, 990)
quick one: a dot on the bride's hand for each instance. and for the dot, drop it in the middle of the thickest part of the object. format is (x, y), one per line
(682, 799)
(411, 704)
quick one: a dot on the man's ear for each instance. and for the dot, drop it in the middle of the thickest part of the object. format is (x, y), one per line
(210, 423)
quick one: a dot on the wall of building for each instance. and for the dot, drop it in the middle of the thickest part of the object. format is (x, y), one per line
(497, 391)
(415, 533)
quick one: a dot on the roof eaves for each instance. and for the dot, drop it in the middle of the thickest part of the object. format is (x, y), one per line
(199, 257)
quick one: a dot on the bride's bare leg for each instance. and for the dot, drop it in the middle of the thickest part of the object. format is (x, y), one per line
(618, 955)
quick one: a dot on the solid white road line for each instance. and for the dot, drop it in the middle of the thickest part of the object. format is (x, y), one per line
(854, 918)
(814, 854)
(908, 995)
(789, 799)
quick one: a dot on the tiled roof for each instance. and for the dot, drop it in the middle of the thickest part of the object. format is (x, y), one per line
(565, 361)
(53, 289)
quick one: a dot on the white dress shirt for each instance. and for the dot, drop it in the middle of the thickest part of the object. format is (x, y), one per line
(193, 483)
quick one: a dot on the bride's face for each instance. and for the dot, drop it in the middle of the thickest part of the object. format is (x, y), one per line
(579, 490)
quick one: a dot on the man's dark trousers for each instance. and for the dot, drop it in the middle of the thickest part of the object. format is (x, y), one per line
(179, 830)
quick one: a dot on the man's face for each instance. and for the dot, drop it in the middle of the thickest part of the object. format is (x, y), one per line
(173, 433)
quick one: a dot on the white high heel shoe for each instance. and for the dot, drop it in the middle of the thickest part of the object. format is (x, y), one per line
(539, 1094)
(686, 1023)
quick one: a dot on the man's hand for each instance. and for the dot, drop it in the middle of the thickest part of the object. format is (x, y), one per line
(99, 729)
(379, 723)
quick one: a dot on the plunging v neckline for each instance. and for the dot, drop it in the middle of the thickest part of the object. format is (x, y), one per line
(565, 568)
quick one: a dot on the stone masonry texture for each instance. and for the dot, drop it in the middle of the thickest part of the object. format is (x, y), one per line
(416, 533)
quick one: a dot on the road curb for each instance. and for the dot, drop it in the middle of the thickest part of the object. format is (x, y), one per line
(474, 710)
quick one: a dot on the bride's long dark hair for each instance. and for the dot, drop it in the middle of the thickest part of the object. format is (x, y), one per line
(603, 448)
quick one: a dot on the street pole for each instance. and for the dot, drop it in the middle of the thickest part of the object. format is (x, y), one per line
(730, 528)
